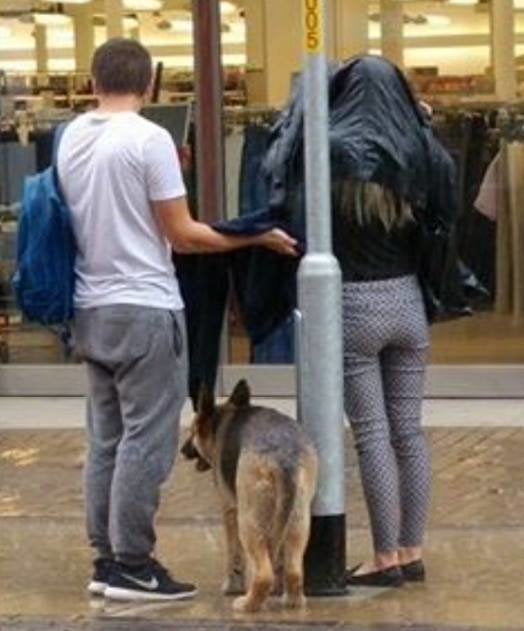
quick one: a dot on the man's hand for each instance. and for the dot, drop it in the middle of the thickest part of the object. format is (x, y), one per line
(188, 236)
(278, 241)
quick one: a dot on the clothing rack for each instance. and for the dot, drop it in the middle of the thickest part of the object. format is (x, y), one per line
(510, 223)
(26, 140)
(252, 115)
(33, 122)
(511, 126)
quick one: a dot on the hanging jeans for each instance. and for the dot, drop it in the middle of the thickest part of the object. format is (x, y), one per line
(278, 347)
(253, 189)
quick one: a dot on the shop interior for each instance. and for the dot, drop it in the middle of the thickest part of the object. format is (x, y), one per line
(465, 58)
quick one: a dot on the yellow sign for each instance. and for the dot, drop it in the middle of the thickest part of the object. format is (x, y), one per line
(314, 26)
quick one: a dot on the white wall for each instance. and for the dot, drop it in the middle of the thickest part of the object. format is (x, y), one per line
(450, 61)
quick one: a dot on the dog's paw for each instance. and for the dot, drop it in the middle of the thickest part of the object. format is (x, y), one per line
(234, 585)
(294, 601)
(244, 604)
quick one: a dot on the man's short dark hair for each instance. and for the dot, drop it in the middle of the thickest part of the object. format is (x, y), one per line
(122, 66)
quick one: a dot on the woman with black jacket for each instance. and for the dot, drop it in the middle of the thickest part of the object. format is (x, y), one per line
(386, 172)
(393, 184)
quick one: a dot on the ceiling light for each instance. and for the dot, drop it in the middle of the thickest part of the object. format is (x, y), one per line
(227, 8)
(465, 3)
(238, 27)
(438, 21)
(178, 22)
(181, 26)
(130, 22)
(143, 5)
(75, 1)
(50, 19)
(5, 32)
(60, 36)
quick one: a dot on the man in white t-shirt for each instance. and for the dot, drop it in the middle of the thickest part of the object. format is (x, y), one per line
(121, 179)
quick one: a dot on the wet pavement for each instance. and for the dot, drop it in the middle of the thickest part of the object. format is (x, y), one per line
(145, 625)
(475, 553)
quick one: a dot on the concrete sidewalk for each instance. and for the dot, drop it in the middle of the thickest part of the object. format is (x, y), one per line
(145, 625)
(475, 552)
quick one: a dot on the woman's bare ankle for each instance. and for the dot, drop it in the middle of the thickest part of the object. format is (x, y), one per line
(384, 560)
(409, 555)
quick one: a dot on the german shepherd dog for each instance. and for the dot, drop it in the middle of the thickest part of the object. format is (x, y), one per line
(265, 469)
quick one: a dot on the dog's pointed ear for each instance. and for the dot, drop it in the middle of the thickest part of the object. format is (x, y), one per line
(206, 402)
(241, 394)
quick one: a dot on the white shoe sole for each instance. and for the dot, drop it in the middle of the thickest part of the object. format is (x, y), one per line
(97, 588)
(120, 593)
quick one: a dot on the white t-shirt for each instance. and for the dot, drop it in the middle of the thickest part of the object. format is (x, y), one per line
(111, 166)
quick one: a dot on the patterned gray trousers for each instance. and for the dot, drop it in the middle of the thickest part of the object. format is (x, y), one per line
(386, 343)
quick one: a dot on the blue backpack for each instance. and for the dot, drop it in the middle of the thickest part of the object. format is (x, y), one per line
(45, 277)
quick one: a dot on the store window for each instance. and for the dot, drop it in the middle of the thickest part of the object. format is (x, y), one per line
(45, 52)
(464, 57)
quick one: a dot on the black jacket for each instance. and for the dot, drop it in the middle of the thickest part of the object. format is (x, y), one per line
(263, 282)
(377, 133)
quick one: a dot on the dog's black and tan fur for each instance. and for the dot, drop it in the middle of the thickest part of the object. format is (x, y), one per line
(265, 469)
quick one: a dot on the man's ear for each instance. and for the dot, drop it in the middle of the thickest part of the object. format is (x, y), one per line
(241, 394)
(206, 402)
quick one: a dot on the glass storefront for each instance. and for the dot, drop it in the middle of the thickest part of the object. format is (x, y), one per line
(465, 59)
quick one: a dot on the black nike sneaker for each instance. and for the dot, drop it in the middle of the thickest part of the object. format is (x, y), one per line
(98, 582)
(147, 582)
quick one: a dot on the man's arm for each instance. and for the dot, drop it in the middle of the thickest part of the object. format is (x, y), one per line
(188, 236)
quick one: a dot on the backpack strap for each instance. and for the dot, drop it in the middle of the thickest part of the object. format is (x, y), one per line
(63, 331)
(59, 132)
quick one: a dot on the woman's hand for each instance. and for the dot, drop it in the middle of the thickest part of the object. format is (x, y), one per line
(278, 241)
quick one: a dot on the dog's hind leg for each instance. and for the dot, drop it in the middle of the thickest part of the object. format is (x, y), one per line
(297, 536)
(294, 549)
(256, 505)
(261, 575)
(277, 559)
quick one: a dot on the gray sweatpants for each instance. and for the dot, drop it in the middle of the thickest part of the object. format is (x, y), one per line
(386, 344)
(137, 371)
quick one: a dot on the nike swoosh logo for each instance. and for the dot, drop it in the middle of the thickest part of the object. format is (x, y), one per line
(149, 585)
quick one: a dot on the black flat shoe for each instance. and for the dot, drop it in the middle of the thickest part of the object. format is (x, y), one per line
(390, 577)
(414, 572)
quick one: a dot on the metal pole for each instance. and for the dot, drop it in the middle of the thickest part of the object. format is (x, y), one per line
(210, 154)
(208, 110)
(319, 299)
